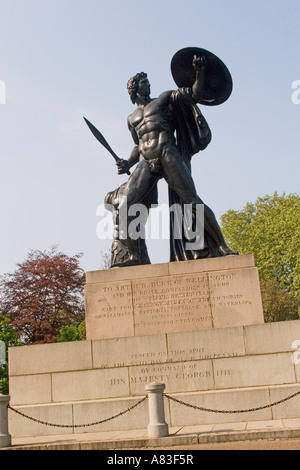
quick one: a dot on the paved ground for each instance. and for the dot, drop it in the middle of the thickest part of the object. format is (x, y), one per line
(283, 434)
(262, 444)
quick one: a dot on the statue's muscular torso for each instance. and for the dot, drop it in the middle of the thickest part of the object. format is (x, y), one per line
(152, 126)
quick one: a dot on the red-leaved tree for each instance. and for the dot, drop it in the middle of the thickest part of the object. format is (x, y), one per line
(44, 294)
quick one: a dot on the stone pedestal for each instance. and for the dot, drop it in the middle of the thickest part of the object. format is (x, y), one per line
(173, 297)
(195, 326)
(81, 382)
(157, 426)
(5, 439)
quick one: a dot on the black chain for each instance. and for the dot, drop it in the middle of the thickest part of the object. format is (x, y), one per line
(234, 411)
(78, 425)
(189, 405)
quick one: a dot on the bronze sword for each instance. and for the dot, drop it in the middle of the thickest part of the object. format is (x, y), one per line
(103, 141)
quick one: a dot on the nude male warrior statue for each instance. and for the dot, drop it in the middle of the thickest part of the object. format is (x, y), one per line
(167, 131)
(160, 155)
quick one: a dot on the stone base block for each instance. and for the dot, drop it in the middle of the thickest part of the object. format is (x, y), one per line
(85, 382)
(176, 414)
(235, 400)
(78, 414)
(171, 297)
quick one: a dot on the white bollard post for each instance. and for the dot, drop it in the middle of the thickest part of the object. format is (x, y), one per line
(5, 439)
(157, 425)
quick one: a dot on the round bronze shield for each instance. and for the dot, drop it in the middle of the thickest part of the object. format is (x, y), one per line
(217, 82)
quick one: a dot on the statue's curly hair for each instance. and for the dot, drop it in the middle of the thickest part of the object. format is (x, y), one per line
(133, 85)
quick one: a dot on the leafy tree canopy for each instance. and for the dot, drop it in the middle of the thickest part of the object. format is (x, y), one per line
(7, 333)
(72, 333)
(270, 229)
(278, 304)
(8, 336)
(44, 294)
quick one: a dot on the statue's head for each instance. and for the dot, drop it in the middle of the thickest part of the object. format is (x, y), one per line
(133, 85)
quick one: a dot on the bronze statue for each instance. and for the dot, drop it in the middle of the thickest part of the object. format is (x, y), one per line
(157, 153)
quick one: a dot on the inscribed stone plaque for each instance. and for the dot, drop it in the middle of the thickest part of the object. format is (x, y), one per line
(134, 351)
(178, 377)
(173, 297)
(173, 303)
(109, 310)
(2, 353)
(206, 344)
(235, 297)
(253, 371)
(90, 384)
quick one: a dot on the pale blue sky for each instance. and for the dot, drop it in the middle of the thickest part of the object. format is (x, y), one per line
(62, 59)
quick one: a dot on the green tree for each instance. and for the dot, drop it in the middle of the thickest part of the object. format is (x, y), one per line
(278, 304)
(8, 335)
(72, 333)
(44, 294)
(270, 229)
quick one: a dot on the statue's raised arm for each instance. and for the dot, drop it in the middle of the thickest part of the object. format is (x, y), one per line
(203, 72)
(199, 83)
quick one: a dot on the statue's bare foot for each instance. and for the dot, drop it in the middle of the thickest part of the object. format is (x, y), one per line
(226, 251)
